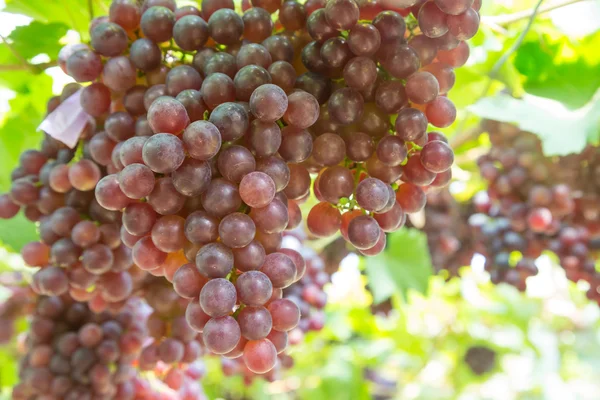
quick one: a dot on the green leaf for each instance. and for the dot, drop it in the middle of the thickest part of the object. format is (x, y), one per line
(73, 13)
(561, 131)
(8, 372)
(38, 38)
(17, 232)
(404, 265)
(558, 68)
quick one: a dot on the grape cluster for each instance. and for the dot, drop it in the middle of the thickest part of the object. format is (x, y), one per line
(534, 203)
(205, 128)
(74, 353)
(370, 171)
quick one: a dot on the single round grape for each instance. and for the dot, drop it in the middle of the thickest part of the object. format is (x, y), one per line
(283, 74)
(202, 140)
(425, 47)
(444, 74)
(280, 47)
(442, 179)
(268, 103)
(167, 233)
(258, 24)
(292, 15)
(85, 233)
(441, 112)
(231, 120)
(221, 198)
(437, 156)
(390, 25)
(167, 115)
(399, 60)
(411, 124)
(363, 232)
(165, 199)
(264, 138)
(539, 219)
(324, 220)
(302, 111)
(182, 77)
(157, 24)
(126, 13)
(432, 20)
(334, 54)
(296, 144)
(214, 260)
(217, 89)
(416, 173)
(329, 149)
(146, 255)
(281, 173)
(280, 269)
(235, 162)
(192, 177)
(145, 54)
(138, 218)
(272, 218)
(260, 356)
(359, 146)
(253, 54)
(109, 195)
(131, 151)
(119, 126)
(218, 297)
(342, 14)
(136, 181)
(190, 32)
(364, 40)
(285, 314)
(237, 230)
(109, 39)
(465, 25)
(225, 26)
(193, 103)
(255, 322)
(360, 73)
(210, 6)
(257, 189)
(372, 194)
(346, 106)
(392, 151)
(163, 153)
(318, 27)
(335, 183)
(84, 65)
(119, 74)
(411, 198)
(422, 87)
(254, 288)
(95, 99)
(391, 220)
(456, 57)
(97, 259)
(378, 248)
(153, 93)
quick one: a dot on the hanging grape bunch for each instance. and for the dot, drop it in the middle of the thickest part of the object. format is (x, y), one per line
(207, 128)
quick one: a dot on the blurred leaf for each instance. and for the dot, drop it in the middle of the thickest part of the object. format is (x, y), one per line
(405, 264)
(560, 69)
(8, 371)
(17, 232)
(73, 13)
(561, 131)
(38, 38)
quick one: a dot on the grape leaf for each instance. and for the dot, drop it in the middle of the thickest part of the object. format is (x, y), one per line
(559, 68)
(405, 264)
(561, 131)
(17, 232)
(38, 38)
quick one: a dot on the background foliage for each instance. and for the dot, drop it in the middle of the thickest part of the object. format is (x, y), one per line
(544, 79)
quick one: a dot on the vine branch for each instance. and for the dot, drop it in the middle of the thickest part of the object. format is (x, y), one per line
(507, 19)
(91, 9)
(28, 66)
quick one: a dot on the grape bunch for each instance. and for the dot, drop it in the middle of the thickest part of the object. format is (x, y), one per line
(206, 130)
(533, 203)
(74, 353)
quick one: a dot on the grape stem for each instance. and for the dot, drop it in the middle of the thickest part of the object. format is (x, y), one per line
(35, 68)
(507, 19)
(91, 9)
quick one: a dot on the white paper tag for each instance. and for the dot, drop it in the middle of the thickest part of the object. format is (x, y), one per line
(66, 122)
